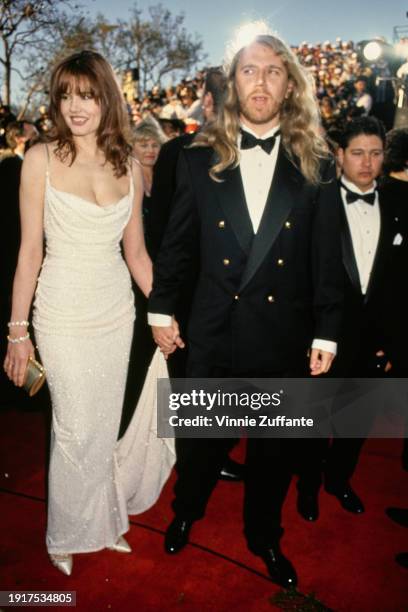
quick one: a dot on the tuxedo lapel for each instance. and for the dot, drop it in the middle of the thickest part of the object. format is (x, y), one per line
(349, 259)
(281, 196)
(231, 195)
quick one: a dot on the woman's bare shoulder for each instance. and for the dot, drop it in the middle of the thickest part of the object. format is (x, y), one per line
(136, 170)
(135, 165)
(36, 157)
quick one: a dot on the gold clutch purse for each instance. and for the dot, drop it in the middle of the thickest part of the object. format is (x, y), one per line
(34, 377)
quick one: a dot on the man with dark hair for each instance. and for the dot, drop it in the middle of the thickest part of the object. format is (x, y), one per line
(214, 91)
(370, 238)
(257, 199)
(164, 187)
(164, 177)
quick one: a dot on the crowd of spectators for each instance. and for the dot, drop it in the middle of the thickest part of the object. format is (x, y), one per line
(345, 86)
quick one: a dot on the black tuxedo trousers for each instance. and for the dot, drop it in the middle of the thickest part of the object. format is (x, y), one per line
(269, 467)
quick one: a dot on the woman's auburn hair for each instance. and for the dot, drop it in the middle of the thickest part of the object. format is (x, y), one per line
(89, 72)
(299, 119)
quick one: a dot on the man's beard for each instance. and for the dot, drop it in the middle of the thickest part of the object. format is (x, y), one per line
(260, 117)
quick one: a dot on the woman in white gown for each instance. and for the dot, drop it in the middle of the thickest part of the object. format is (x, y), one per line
(84, 192)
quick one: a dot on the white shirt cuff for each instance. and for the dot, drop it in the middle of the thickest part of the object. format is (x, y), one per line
(159, 320)
(325, 345)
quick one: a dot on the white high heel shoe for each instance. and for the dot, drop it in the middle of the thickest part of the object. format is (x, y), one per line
(121, 546)
(63, 563)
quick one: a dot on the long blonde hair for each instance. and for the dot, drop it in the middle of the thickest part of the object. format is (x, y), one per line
(299, 118)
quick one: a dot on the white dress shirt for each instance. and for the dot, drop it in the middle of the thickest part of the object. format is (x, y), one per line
(257, 169)
(364, 222)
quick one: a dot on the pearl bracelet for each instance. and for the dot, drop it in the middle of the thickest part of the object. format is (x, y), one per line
(18, 340)
(18, 324)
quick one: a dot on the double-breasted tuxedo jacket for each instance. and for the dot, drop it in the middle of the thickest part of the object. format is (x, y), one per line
(260, 298)
(367, 318)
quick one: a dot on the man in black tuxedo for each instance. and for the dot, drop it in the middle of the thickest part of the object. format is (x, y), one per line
(371, 237)
(18, 136)
(257, 200)
(10, 170)
(164, 174)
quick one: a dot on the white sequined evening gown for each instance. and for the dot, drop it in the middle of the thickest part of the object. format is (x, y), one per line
(83, 321)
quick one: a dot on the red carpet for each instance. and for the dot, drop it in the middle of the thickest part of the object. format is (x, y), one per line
(346, 561)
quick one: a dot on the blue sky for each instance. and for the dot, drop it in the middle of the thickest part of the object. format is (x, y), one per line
(294, 20)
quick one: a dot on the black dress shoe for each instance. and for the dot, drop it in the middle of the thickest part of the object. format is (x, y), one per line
(402, 559)
(280, 569)
(308, 506)
(348, 499)
(231, 471)
(398, 515)
(177, 535)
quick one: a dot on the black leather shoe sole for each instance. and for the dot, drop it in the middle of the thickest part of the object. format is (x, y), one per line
(232, 471)
(348, 500)
(280, 569)
(177, 535)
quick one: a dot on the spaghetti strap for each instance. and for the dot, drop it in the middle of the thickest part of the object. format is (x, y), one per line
(47, 170)
(132, 179)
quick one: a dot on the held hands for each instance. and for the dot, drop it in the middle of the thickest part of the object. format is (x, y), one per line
(388, 365)
(15, 363)
(320, 361)
(168, 338)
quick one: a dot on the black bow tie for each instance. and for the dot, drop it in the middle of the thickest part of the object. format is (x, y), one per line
(352, 196)
(248, 141)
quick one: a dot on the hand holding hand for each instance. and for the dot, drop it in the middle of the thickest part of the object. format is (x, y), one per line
(320, 361)
(168, 338)
(388, 365)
